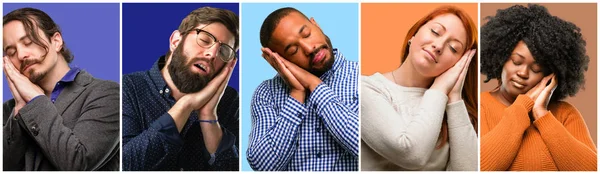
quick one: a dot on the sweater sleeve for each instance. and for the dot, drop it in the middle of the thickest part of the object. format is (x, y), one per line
(569, 142)
(500, 143)
(404, 138)
(462, 138)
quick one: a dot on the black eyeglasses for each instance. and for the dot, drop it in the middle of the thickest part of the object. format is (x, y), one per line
(206, 40)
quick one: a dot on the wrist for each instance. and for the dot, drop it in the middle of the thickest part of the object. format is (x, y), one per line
(298, 95)
(183, 105)
(453, 97)
(207, 115)
(313, 84)
(539, 113)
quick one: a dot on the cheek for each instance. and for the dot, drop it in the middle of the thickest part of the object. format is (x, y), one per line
(536, 78)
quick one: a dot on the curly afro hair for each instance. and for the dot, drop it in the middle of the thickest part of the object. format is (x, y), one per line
(555, 44)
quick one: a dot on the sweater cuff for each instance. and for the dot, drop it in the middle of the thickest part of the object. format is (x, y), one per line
(458, 115)
(524, 101)
(546, 122)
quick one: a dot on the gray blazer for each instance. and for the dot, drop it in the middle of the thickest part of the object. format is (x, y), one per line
(80, 131)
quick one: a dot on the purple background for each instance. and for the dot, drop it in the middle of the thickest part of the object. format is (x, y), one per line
(90, 31)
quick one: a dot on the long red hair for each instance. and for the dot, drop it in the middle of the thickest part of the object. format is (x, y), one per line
(469, 92)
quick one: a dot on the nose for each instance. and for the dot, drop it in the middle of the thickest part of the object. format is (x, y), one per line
(23, 53)
(523, 72)
(306, 46)
(437, 46)
(213, 51)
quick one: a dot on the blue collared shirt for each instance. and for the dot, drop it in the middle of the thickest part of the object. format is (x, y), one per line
(60, 85)
(151, 140)
(319, 135)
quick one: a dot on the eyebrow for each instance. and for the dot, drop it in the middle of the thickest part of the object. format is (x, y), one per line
(11, 46)
(299, 32)
(444, 27)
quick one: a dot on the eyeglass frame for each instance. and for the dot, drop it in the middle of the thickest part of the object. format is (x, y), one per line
(215, 41)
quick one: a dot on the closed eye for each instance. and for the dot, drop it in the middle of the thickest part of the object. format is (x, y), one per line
(452, 49)
(434, 32)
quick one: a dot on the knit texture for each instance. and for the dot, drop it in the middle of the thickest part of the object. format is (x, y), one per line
(559, 140)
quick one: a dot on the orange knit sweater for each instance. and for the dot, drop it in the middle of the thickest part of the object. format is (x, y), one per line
(558, 140)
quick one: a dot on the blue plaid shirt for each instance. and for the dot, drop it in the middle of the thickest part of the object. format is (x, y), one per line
(319, 135)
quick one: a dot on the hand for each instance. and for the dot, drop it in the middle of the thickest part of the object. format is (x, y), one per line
(209, 111)
(456, 92)
(297, 91)
(21, 88)
(448, 79)
(540, 106)
(275, 60)
(307, 79)
(197, 100)
(534, 92)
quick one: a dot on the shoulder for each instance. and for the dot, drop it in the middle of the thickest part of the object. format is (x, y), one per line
(563, 110)
(95, 85)
(373, 82)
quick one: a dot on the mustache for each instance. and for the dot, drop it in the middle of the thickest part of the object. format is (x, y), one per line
(314, 53)
(28, 62)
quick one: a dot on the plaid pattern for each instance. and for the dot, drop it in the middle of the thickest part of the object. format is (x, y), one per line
(319, 135)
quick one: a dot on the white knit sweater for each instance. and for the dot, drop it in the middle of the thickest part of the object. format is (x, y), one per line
(400, 128)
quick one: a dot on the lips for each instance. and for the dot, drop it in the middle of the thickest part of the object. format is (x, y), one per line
(319, 56)
(431, 55)
(202, 66)
(24, 69)
(517, 84)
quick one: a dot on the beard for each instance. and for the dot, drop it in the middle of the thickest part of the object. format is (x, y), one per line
(328, 62)
(34, 77)
(183, 77)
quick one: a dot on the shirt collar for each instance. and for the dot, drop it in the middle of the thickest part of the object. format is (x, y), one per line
(156, 77)
(70, 76)
(338, 61)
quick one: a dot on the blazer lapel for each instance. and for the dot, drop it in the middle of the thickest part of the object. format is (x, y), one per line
(72, 91)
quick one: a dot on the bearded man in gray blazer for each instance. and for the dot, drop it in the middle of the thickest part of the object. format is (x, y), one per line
(60, 118)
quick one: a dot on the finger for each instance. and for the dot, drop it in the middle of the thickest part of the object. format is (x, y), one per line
(213, 85)
(11, 85)
(553, 84)
(539, 88)
(465, 69)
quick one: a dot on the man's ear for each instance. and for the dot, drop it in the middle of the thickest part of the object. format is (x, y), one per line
(312, 20)
(56, 41)
(174, 40)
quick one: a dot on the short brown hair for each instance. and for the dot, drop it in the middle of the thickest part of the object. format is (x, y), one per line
(207, 15)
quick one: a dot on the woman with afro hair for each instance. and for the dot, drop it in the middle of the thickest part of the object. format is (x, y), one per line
(538, 60)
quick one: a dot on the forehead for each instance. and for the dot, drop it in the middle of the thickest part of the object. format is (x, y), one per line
(288, 27)
(453, 25)
(13, 31)
(522, 49)
(218, 30)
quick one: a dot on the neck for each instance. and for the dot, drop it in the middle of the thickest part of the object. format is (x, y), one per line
(175, 93)
(407, 75)
(503, 96)
(53, 76)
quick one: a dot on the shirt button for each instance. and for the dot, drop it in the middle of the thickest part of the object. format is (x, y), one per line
(167, 90)
(160, 91)
(318, 154)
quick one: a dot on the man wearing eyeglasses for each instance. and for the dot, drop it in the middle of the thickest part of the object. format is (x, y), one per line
(180, 114)
(306, 117)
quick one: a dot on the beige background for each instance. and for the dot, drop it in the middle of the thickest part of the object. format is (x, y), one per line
(584, 16)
